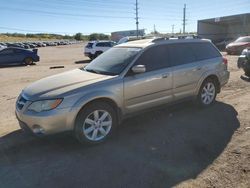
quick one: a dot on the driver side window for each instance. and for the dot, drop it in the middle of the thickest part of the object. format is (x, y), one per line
(154, 58)
(6, 52)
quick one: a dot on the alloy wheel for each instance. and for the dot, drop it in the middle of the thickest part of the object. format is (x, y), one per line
(208, 93)
(97, 125)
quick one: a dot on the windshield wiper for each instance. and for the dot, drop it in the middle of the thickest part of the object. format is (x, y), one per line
(92, 70)
(99, 72)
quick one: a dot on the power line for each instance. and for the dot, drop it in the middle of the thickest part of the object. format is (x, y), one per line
(82, 2)
(42, 31)
(66, 14)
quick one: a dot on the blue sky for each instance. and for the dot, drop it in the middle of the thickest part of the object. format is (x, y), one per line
(88, 16)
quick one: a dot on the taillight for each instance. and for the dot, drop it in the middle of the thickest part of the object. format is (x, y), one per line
(225, 61)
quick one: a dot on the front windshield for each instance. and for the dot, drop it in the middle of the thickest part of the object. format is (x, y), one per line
(113, 61)
(243, 39)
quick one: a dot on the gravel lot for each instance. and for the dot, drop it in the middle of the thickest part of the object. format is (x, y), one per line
(181, 145)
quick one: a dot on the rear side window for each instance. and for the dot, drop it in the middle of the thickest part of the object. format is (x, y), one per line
(181, 54)
(108, 44)
(18, 51)
(103, 44)
(89, 45)
(100, 44)
(154, 58)
(204, 51)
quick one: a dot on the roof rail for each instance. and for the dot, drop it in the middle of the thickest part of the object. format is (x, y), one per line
(159, 39)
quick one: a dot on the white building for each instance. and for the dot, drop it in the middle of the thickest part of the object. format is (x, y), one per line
(116, 36)
(221, 28)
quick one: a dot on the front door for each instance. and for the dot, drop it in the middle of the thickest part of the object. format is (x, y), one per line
(7, 56)
(152, 88)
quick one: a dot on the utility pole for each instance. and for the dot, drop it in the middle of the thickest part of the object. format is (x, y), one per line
(154, 29)
(184, 19)
(137, 18)
(173, 29)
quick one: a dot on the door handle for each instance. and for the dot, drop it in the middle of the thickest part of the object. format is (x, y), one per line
(165, 75)
(197, 68)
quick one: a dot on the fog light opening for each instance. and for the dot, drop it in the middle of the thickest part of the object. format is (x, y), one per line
(38, 129)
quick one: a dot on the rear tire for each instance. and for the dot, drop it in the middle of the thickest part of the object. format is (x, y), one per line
(247, 73)
(98, 53)
(28, 61)
(95, 123)
(208, 92)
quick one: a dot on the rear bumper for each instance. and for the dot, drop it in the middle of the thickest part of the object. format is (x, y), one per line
(36, 58)
(224, 78)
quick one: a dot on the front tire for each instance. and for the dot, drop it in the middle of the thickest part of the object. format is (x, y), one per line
(95, 123)
(207, 93)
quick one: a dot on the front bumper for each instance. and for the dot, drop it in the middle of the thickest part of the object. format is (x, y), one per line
(47, 122)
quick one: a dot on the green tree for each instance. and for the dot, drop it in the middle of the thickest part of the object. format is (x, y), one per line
(78, 36)
(98, 36)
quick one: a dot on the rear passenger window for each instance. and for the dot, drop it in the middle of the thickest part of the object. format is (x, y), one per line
(100, 44)
(181, 54)
(108, 44)
(154, 58)
(204, 51)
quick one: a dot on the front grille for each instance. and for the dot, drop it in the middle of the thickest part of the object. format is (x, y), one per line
(21, 102)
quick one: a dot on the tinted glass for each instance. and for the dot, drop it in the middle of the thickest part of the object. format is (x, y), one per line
(154, 58)
(108, 44)
(89, 45)
(204, 51)
(113, 61)
(18, 51)
(181, 54)
(101, 44)
(6, 51)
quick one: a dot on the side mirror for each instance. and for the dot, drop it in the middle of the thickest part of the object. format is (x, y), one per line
(138, 69)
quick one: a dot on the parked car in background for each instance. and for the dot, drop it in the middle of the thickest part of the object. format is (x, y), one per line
(94, 48)
(121, 82)
(221, 44)
(16, 45)
(244, 61)
(2, 47)
(236, 47)
(14, 56)
(128, 39)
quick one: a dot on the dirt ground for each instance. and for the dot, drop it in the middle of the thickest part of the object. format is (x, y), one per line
(181, 145)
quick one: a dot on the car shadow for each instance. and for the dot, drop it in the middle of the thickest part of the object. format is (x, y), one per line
(161, 148)
(82, 62)
(14, 66)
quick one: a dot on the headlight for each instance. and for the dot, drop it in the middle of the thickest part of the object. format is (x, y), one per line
(44, 105)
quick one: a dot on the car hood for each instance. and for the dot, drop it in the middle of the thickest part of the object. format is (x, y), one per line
(236, 44)
(56, 85)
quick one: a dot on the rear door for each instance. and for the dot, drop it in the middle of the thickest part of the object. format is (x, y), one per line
(186, 70)
(152, 88)
(102, 46)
